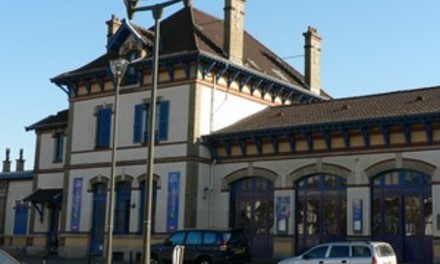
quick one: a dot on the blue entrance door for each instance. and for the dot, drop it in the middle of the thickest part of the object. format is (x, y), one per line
(252, 207)
(321, 210)
(402, 214)
(21, 219)
(98, 218)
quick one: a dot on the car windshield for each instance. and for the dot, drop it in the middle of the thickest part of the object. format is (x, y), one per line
(384, 251)
(4, 259)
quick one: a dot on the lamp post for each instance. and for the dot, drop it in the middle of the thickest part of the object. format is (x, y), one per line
(117, 68)
(157, 11)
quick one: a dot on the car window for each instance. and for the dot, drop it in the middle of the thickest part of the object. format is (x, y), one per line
(361, 251)
(177, 238)
(339, 251)
(315, 253)
(194, 238)
(384, 251)
(211, 238)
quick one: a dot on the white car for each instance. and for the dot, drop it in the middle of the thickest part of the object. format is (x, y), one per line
(346, 253)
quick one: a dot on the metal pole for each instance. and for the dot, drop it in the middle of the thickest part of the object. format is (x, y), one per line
(112, 178)
(118, 69)
(157, 14)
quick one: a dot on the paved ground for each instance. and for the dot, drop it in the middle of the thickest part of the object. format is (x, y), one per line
(57, 260)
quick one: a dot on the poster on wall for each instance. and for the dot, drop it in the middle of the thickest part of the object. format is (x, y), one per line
(173, 201)
(76, 204)
(357, 216)
(283, 213)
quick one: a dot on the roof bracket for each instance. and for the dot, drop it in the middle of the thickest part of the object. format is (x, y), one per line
(258, 144)
(366, 136)
(429, 133)
(346, 136)
(244, 82)
(275, 144)
(232, 78)
(243, 146)
(292, 142)
(407, 133)
(308, 136)
(328, 139)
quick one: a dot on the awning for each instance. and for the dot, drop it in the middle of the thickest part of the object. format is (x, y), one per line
(51, 196)
(41, 197)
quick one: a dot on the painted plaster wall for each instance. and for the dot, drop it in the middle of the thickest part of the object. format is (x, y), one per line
(84, 123)
(227, 108)
(161, 170)
(46, 155)
(16, 192)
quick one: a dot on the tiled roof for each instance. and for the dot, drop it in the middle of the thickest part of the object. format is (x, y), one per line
(53, 121)
(193, 31)
(407, 103)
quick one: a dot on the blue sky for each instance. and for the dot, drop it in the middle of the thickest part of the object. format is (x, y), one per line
(369, 46)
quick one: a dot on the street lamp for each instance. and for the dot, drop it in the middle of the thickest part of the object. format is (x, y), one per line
(117, 68)
(157, 14)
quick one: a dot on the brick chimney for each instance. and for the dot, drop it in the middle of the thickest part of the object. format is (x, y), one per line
(7, 162)
(234, 30)
(312, 66)
(113, 25)
(20, 162)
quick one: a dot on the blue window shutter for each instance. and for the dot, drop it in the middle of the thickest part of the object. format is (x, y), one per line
(21, 219)
(163, 120)
(147, 122)
(138, 125)
(104, 127)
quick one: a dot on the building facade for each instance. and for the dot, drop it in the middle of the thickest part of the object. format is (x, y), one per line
(243, 140)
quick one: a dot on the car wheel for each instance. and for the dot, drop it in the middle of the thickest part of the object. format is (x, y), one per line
(154, 260)
(204, 261)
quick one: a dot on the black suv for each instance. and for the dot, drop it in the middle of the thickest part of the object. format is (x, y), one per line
(204, 246)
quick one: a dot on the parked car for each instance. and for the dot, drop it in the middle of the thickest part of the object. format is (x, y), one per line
(5, 258)
(204, 246)
(347, 253)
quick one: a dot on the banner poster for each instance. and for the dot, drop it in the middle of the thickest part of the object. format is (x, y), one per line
(76, 204)
(173, 201)
(282, 213)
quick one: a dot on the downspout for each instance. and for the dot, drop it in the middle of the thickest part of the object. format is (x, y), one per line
(211, 191)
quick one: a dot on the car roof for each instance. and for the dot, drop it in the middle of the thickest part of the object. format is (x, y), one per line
(374, 243)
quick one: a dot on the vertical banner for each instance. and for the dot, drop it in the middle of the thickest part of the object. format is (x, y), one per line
(173, 201)
(283, 213)
(357, 216)
(76, 204)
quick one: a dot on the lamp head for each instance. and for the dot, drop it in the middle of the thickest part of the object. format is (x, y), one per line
(118, 67)
(130, 5)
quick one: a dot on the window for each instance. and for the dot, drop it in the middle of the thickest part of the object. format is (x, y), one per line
(339, 252)
(361, 251)
(194, 238)
(58, 152)
(123, 201)
(177, 238)
(103, 127)
(141, 122)
(142, 205)
(211, 238)
(131, 74)
(315, 253)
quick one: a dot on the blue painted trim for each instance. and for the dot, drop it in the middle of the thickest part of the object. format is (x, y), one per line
(243, 146)
(366, 136)
(232, 78)
(386, 135)
(208, 69)
(258, 144)
(429, 131)
(407, 133)
(346, 136)
(170, 69)
(88, 87)
(255, 86)
(267, 89)
(244, 81)
(292, 142)
(228, 148)
(327, 138)
(275, 144)
(308, 136)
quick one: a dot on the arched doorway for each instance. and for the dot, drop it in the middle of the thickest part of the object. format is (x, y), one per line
(98, 218)
(252, 207)
(321, 210)
(402, 213)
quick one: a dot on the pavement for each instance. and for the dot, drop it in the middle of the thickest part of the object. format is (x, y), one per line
(57, 260)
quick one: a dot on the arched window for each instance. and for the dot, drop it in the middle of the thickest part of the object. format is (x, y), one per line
(98, 217)
(321, 210)
(142, 206)
(123, 205)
